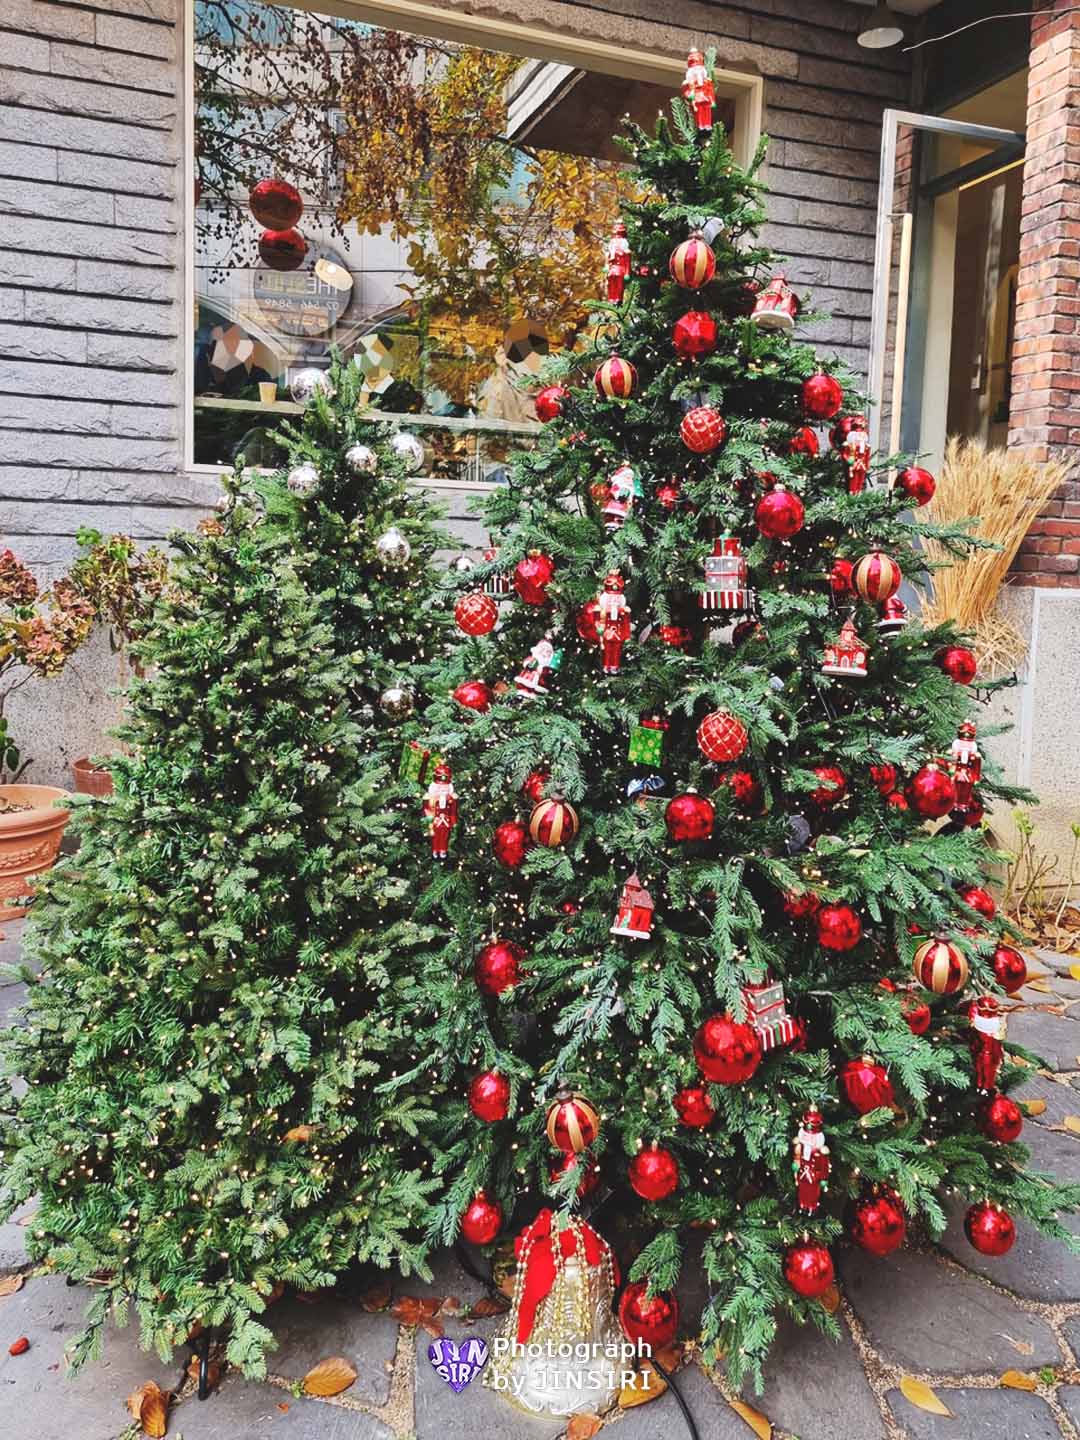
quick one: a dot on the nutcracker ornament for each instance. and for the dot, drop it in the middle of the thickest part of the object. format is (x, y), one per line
(536, 673)
(441, 809)
(699, 92)
(634, 918)
(776, 307)
(618, 262)
(856, 453)
(726, 584)
(846, 655)
(621, 491)
(988, 1024)
(612, 622)
(811, 1164)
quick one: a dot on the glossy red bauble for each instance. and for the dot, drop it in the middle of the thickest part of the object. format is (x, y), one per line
(972, 816)
(476, 614)
(498, 966)
(276, 204)
(615, 379)
(721, 737)
(989, 1229)
(746, 790)
(917, 484)
(841, 429)
(930, 792)
(980, 900)
(549, 402)
(482, 1220)
(474, 695)
(586, 622)
(877, 1224)
(652, 1319)
(726, 1050)
(940, 966)
(1000, 1118)
(1010, 969)
(876, 577)
(801, 905)
(694, 334)
(694, 1107)
(282, 249)
(572, 1123)
(808, 1269)
(654, 1173)
(689, 817)
(917, 1014)
(532, 576)
(838, 927)
(489, 1096)
(702, 429)
(804, 442)
(779, 514)
(509, 843)
(535, 784)
(678, 637)
(866, 1085)
(897, 800)
(833, 787)
(958, 663)
(840, 579)
(588, 1169)
(884, 777)
(822, 396)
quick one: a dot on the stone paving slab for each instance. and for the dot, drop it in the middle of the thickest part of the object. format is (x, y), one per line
(1051, 960)
(1062, 1099)
(11, 933)
(246, 1410)
(1053, 1151)
(662, 1419)
(477, 1411)
(334, 1325)
(1069, 1397)
(1071, 1329)
(1036, 1268)
(925, 1316)
(13, 1256)
(449, 1277)
(978, 1415)
(810, 1379)
(1054, 1038)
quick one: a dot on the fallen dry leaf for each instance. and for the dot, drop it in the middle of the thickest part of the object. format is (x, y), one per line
(921, 1396)
(283, 1406)
(1022, 1347)
(1074, 971)
(451, 1306)
(830, 1299)
(9, 1284)
(26, 1219)
(329, 1377)
(583, 1427)
(648, 1384)
(149, 1406)
(1033, 1107)
(1043, 986)
(1017, 1380)
(761, 1426)
(669, 1358)
(489, 1305)
(377, 1298)
(411, 1311)
(1072, 1124)
(299, 1132)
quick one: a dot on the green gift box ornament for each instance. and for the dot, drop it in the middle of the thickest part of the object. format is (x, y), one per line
(417, 762)
(647, 740)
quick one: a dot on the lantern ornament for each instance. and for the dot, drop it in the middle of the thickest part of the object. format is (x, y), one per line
(615, 379)
(856, 453)
(692, 263)
(776, 306)
(572, 1123)
(876, 577)
(894, 616)
(726, 585)
(634, 917)
(621, 491)
(618, 262)
(940, 966)
(698, 91)
(612, 621)
(846, 655)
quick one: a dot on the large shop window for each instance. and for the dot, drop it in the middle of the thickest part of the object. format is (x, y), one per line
(434, 208)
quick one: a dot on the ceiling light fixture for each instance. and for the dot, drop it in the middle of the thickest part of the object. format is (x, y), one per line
(880, 29)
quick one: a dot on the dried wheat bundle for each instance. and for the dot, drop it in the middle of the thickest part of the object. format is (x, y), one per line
(1002, 492)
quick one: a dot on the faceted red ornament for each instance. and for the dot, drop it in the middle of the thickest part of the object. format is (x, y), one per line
(476, 614)
(282, 249)
(833, 787)
(482, 1220)
(668, 492)
(721, 737)
(677, 636)
(654, 1320)
(474, 695)
(694, 334)
(702, 429)
(509, 842)
(532, 576)
(692, 263)
(497, 966)
(654, 1173)
(804, 442)
(553, 823)
(930, 792)
(840, 578)
(1000, 1118)
(989, 1229)
(808, 1269)
(779, 514)
(689, 817)
(572, 1123)
(897, 800)
(276, 204)
(589, 1170)
(884, 777)
(876, 577)
(940, 966)
(745, 788)
(877, 1224)
(489, 1096)
(548, 403)
(801, 906)
(533, 787)
(917, 484)
(726, 1050)
(587, 618)
(866, 1085)
(1010, 969)
(822, 396)
(917, 1014)
(693, 1107)
(958, 663)
(979, 899)
(615, 379)
(838, 927)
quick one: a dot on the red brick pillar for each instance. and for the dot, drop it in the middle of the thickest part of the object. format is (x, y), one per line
(1045, 407)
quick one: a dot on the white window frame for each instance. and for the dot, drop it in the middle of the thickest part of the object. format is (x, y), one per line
(745, 88)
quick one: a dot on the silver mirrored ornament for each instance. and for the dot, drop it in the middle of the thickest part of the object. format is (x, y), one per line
(306, 382)
(393, 549)
(303, 480)
(410, 449)
(361, 460)
(396, 702)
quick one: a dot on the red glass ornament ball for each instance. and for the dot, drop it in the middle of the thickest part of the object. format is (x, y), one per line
(678, 637)
(1010, 969)
(509, 843)
(689, 817)
(972, 815)
(930, 792)
(654, 1173)
(804, 442)
(489, 1096)
(958, 663)
(721, 737)
(808, 1269)
(276, 204)
(652, 1319)
(940, 966)
(840, 578)
(768, 479)
(476, 614)
(833, 787)
(586, 622)
(549, 402)
(990, 1229)
(801, 906)
(532, 576)
(692, 264)
(1000, 1118)
(822, 396)
(694, 334)
(917, 1014)
(498, 966)
(897, 800)
(694, 1107)
(615, 379)
(589, 1170)
(553, 823)
(572, 1123)
(482, 1220)
(877, 1224)
(838, 927)
(979, 899)
(780, 514)
(282, 249)
(866, 1085)
(745, 788)
(534, 785)
(726, 1050)
(884, 777)
(702, 429)
(474, 695)
(917, 484)
(876, 577)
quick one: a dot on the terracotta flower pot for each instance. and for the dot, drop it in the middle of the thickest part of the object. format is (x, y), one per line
(29, 840)
(91, 779)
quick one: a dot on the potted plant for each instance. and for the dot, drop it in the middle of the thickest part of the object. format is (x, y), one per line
(39, 633)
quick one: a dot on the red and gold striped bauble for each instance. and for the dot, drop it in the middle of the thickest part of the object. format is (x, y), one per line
(572, 1123)
(876, 577)
(692, 263)
(940, 966)
(553, 822)
(615, 378)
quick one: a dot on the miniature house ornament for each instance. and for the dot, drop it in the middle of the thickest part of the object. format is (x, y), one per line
(846, 655)
(635, 914)
(776, 306)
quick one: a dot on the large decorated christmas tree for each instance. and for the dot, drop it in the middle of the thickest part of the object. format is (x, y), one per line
(717, 951)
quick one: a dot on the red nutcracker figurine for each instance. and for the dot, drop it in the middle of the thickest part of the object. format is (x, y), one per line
(966, 764)
(613, 621)
(622, 489)
(811, 1164)
(618, 262)
(441, 808)
(635, 914)
(856, 454)
(698, 90)
(988, 1024)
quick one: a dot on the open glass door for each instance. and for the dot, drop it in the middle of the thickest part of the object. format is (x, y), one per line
(948, 235)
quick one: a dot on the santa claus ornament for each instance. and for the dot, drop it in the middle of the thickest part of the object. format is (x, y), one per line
(538, 670)
(612, 622)
(811, 1163)
(698, 91)
(619, 494)
(702, 429)
(441, 810)
(618, 262)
